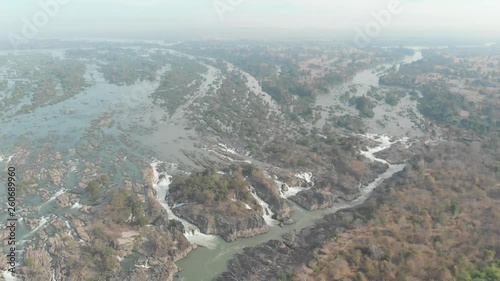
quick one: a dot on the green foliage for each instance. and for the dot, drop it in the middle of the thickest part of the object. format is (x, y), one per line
(392, 99)
(284, 151)
(445, 107)
(438, 102)
(480, 125)
(201, 188)
(96, 185)
(72, 245)
(302, 109)
(122, 204)
(129, 70)
(182, 80)
(28, 261)
(352, 123)
(487, 273)
(120, 66)
(38, 80)
(364, 105)
(277, 93)
(209, 187)
(454, 208)
(24, 187)
(490, 273)
(103, 258)
(441, 106)
(286, 276)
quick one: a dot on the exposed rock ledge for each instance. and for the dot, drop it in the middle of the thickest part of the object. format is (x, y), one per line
(328, 189)
(223, 222)
(268, 191)
(273, 259)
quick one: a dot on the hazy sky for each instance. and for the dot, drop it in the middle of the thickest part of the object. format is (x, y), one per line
(135, 16)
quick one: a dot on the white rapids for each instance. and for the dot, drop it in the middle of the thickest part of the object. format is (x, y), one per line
(54, 197)
(43, 221)
(267, 214)
(161, 183)
(7, 275)
(293, 190)
(76, 206)
(51, 199)
(213, 262)
(384, 143)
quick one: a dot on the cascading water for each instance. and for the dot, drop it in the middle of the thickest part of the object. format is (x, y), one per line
(8, 276)
(6, 159)
(43, 221)
(293, 190)
(267, 214)
(76, 206)
(305, 176)
(54, 197)
(205, 264)
(384, 143)
(161, 183)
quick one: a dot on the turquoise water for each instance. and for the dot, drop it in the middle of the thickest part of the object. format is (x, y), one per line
(208, 263)
(124, 146)
(67, 128)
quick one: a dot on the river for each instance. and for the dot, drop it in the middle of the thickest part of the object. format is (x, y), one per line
(62, 127)
(30, 142)
(206, 263)
(387, 119)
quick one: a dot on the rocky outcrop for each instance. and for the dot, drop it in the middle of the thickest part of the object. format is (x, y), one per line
(286, 176)
(37, 265)
(80, 230)
(275, 259)
(156, 244)
(55, 244)
(154, 251)
(176, 231)
(159, 249)
(64, 200)
(314, 199)
(230, 225)
(345, 184)
(126, 240)
(396, 154)
(56, 176)
(268, 191)
(326, 191)
(155, 210)
(148, 176)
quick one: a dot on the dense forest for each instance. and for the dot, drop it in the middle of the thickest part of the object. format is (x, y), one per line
(438, 220)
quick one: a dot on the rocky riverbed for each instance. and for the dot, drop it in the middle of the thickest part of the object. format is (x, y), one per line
(96, 199)
(278, 258)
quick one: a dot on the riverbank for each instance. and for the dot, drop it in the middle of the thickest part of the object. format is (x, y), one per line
(198, 266)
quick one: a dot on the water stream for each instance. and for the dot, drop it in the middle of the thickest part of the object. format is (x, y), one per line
(208, 263)
(364, 82)
(267, 214)
(61, 128)
(161, 183)
(64, 126)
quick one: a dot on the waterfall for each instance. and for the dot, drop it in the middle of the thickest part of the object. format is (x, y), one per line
(267, 214)
(161, 183)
